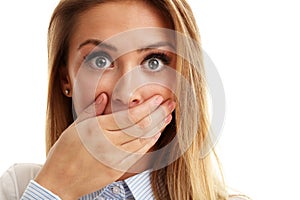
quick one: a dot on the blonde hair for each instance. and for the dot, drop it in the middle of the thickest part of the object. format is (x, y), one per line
(188, 177)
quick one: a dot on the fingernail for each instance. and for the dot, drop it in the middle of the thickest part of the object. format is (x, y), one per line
(157, 136)
(168, 119)
(100, 99)
(172, 105)
(158, 100)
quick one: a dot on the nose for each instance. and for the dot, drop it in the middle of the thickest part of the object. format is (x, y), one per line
(127, 92)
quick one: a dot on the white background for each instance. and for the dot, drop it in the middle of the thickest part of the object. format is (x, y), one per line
(255, 46)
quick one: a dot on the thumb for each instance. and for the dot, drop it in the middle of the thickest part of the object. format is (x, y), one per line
(95, 109)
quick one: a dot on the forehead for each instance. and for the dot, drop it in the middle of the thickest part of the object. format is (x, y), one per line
(111, 18)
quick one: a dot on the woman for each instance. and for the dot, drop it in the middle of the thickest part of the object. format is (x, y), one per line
(105, 114)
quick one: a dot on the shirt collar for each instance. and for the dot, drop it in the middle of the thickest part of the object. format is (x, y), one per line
(140, 185)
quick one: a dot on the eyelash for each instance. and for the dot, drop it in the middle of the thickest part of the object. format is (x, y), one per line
(162, 56)
(159, 55)
(96, 54)
(160, 59)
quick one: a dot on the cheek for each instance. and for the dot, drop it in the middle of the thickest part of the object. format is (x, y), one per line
(87, 86)
(166, 93)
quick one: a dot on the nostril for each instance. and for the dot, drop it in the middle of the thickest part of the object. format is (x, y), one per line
(133, 102)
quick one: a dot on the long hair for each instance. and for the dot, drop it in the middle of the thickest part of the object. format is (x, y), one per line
(188, 177)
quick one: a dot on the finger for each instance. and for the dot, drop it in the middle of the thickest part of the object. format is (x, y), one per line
(126, 118)
(153, 123)
(159, 119)
(136, 144)
(134, 157)
(150, 143)
(157, 129)
(95, 109)
(98, 145)
(123, 139)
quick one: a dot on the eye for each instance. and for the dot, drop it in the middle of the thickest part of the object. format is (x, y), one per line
(98, 60)
(155, 62)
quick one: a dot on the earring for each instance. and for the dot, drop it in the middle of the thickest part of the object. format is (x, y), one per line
(67, 91)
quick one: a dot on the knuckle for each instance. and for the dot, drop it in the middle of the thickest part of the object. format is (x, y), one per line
(142, 141)
(135, 116)
(145, 123)
(137, 113)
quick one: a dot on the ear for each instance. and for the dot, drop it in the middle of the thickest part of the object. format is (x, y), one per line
(65, 81)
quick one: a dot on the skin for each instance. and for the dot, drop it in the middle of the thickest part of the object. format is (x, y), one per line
(72, 168)
(101, 23)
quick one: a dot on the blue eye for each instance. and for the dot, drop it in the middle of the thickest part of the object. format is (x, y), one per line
(154, 64)
(101, 62)
(98, 60)
(156, 61)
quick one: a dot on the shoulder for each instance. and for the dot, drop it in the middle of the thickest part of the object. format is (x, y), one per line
(15, 180)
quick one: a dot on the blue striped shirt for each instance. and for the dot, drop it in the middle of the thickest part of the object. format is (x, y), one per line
(136, 187)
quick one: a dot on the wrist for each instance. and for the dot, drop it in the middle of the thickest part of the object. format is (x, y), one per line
(56, 186)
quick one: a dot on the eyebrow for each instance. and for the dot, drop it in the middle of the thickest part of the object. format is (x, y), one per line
(157, 45)
(96, 43)
(113, 48)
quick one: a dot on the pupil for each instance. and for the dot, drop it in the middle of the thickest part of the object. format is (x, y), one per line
(101, 62)
(153, 64)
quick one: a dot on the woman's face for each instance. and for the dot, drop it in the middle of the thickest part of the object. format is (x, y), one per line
(130, 67)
